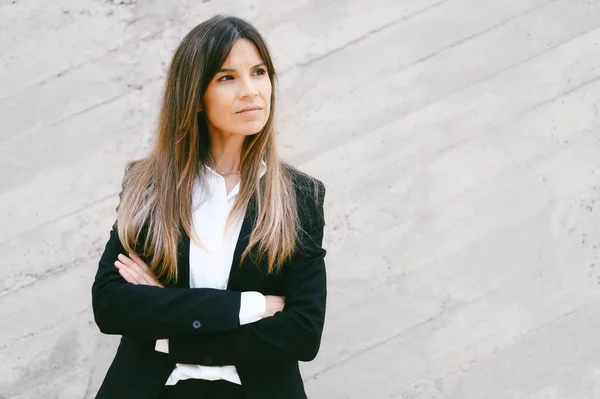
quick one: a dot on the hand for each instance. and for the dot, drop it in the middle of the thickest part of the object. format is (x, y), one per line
(135, 271)
(274, 304)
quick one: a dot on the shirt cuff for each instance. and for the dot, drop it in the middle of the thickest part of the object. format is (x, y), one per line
(162, 345)
(253, 306)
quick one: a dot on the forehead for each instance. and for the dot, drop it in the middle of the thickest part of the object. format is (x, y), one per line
(243, 51)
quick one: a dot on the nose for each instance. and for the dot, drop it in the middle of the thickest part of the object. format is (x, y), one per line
(248, 88)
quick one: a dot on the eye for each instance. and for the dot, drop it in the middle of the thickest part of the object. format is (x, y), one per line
(222, 78)
(260, 71)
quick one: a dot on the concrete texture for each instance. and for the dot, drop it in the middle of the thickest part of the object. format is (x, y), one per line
(460, 143)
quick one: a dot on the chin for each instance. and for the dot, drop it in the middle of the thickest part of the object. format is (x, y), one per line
(251, 129)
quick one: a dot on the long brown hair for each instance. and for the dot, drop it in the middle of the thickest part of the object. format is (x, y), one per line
(157, 190)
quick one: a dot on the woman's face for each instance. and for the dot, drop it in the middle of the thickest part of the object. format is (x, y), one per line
(242, 82)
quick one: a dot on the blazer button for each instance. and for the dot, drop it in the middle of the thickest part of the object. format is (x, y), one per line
(208, 360)
(196, 324)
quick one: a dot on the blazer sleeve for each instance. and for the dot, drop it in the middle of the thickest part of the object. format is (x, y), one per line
(152, 312)
(291, 335)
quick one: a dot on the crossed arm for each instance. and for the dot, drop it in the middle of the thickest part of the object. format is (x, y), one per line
(149, 311)
(291, 335)
(203, 325)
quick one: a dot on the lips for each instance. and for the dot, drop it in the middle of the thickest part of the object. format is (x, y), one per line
(249, 108)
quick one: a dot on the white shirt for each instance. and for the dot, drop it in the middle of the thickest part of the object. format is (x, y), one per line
(209, 268)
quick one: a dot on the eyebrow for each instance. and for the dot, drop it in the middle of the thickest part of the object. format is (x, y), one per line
(233, 70)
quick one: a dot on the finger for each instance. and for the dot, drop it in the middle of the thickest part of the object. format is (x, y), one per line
(150, 277)
(146, 268)
(127, 276)
(138, 260)
(139, 270)
(139, 279)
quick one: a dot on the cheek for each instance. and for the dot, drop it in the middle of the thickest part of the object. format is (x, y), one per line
(218, 105)
(267, 87)
(266, 91)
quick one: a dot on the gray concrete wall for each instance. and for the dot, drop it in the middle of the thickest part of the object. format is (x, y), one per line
(460, 143)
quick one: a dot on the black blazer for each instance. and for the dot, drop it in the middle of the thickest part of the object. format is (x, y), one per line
(202, 324)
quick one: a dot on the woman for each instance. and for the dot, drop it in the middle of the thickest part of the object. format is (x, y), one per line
(214, 272)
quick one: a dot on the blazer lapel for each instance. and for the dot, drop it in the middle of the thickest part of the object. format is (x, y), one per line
(235, 274)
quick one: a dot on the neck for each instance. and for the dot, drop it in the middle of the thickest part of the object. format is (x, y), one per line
(226, 152)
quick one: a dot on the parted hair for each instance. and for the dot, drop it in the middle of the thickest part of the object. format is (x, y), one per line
(156, 198)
